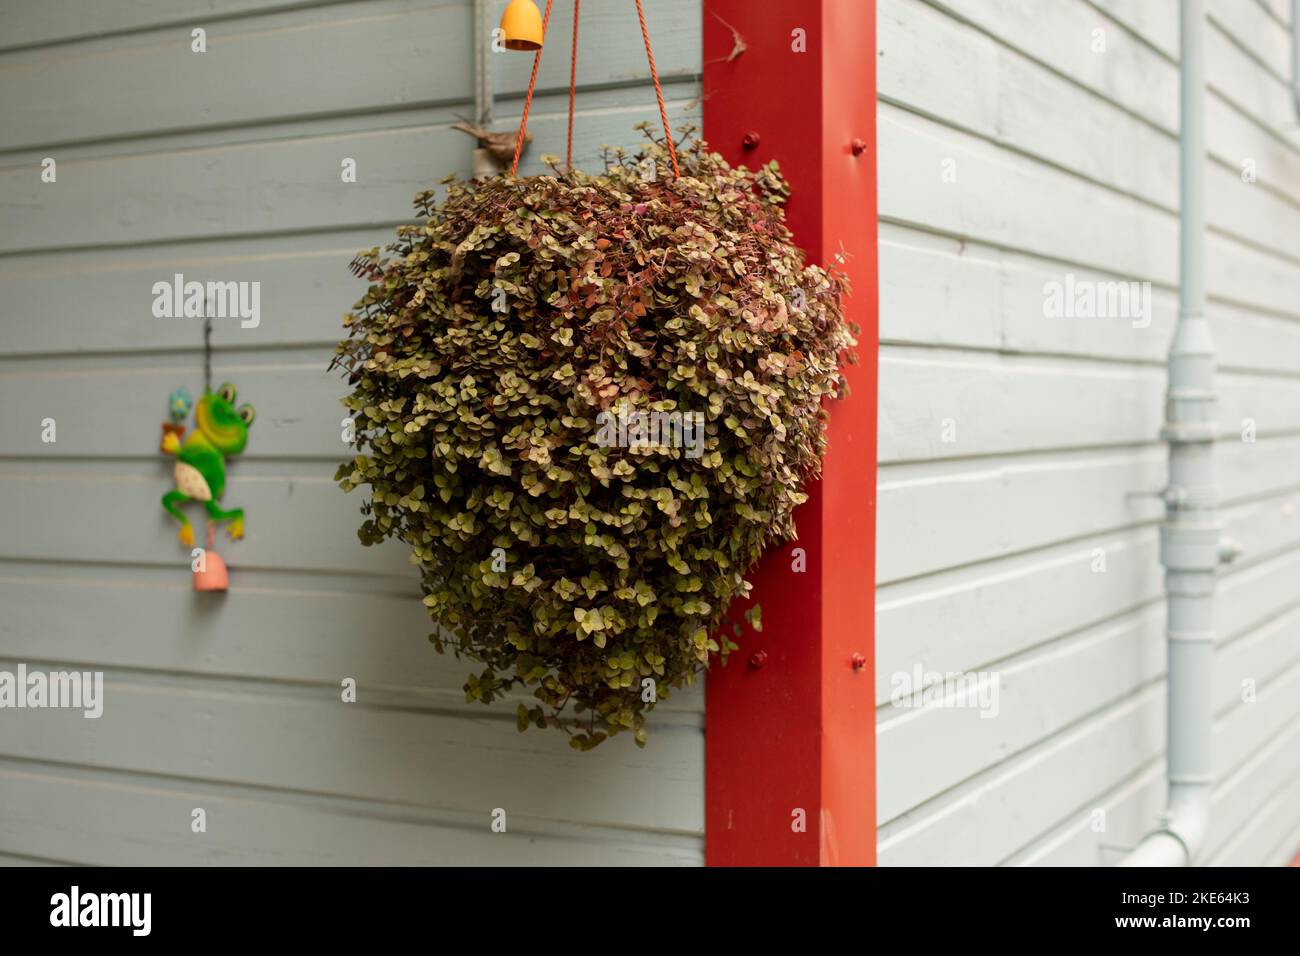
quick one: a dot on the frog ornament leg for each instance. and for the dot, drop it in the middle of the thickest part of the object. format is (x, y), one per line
(220, 429)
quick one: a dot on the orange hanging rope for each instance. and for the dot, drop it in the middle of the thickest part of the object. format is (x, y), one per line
(659, 93)
(528, 100)
(573, 76)
(573, 82)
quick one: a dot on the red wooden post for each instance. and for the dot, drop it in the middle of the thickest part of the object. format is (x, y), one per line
(793, 729)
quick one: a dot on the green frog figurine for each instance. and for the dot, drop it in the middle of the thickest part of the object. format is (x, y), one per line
(220, 429)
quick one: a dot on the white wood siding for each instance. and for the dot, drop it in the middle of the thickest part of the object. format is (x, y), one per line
(1066, 162)
(226, 165)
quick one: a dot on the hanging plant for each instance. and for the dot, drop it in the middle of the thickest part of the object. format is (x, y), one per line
(588, 403)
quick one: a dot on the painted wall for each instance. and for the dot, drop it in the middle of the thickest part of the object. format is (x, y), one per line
(1018, 451)
(226, 165)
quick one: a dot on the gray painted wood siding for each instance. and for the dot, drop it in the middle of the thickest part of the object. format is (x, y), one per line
(1065, 161)
(226, 165)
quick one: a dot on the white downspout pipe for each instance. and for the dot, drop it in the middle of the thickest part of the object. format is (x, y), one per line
(1190, 545)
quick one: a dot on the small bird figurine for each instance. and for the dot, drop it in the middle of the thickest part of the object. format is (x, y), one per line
(500, 146)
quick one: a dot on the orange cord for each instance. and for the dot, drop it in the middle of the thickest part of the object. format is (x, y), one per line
(573, 75)
(528, 100)
(659, 93)
(573, 82)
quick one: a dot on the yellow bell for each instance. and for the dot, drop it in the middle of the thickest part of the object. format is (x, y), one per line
(522, 25)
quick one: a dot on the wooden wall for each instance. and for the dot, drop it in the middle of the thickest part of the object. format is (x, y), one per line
(226, 165)
(1062, 159)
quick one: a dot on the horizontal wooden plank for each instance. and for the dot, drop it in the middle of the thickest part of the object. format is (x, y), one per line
(930, 519)
(933, 404)
(310, 741)
(1265, 730)
(1248, 116)
(1008, 201)
(978, 613)
(1045, 690)
(1259, 27)
(285, 531)
(1141, 78)
(108, 820)
(920, 507)
(1037, 697)
(1235, 136)
(1254, 215)
(1004, 199)
(1132, 811)
(282, 186)
(941, 291)
(92, 617)
(1010, 99)
(937, 404)
(305, 290)
(944, 405)
(302, 522)
(1249, 279)
(1250, 26)
(1156, 23)
(968, 618)
(299, 402)
(1020, 97)
(1026, 808)
(1238, 78)
(350, 58)
(1279, 10)
(936, 290)
(1002, 811)
(1257, 843)
(62, 21)
(247, 188)
(1255, 730)
(1241, 793)
(1129, 72)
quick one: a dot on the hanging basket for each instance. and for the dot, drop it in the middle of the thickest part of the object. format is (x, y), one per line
(588, 403)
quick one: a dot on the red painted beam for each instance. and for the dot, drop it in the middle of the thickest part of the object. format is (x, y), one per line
(796, 737)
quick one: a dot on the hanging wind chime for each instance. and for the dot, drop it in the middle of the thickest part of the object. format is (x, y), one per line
(220, 431)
